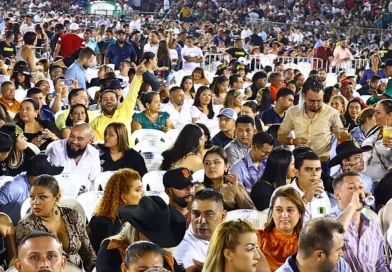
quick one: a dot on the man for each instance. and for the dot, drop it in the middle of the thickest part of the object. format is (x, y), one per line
(317, 40)
(207, 212)
(90, 42)
(250, 168)
(237, 51)
(112, 111)
(179, 187)
(371, 87)
(28, 26)
(55, 71)
(313, 122)
(386, 52)
(236, 82)
(218, 37)
(227, 118)
(7, 46)
(276, 80)
(342, 55)
(363, 239)
(322, 73)
(69, 42)
(78, 69)
(152, 45)
(103, 45)
(36, 93)
(191, 55)
(347, 89)
(309, 185)
(259, 81)
(320, 248)
(76, 154)
(15, 192)
(120, 51)
(179, 113)
(135, 41)
(59, 31)
(8, 97)
(325, 54)
(40, 251)
(284, 101)
(241, 145)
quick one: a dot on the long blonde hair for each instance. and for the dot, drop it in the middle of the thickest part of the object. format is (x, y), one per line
(226, 236)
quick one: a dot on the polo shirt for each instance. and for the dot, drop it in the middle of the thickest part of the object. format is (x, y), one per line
(235, 151)
(237, 52)
(69, 42)
(7, 50)
(117, 54)
(271, 117)
(221, 139)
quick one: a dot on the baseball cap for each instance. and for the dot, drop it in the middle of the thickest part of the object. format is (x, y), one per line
(388, 62)
(40, 164)
(345, 82)
(120, 31)
(178, 178)
(74, 26)
(229, 113)
(59, 26)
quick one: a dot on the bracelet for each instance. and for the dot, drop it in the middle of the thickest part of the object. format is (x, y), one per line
(291, 141)
(355, 205)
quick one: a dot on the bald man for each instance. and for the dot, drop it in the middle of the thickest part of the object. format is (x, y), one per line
(40, 251)
(76, 154)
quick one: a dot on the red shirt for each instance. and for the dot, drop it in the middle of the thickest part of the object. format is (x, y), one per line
(69, 42)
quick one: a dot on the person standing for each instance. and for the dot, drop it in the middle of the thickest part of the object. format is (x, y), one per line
(120, 50)
(342, 55)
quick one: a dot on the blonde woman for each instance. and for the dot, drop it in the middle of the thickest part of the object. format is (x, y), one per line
(339, 103)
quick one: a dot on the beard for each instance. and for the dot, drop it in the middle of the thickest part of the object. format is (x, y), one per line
(121, 42)
(73, 154)
(180, 201)
(109, 112)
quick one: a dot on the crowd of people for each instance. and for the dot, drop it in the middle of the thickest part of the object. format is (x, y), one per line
(307, 148)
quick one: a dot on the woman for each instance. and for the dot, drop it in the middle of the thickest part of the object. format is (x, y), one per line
(263, 100)
(374, 69)
(18, 40)
(21, 77)
(151, 117)
(279, 239)
(278, 172)
(217, 176)
(150, 220)
(101, 33)
(77, 114)
(123, 188)
(330, 92)
(151, 64)
(42, 38)
(241, 71)
(37, 131)
(16, 162)
(44, 86)
(199, 77)
(365, 122)
(186, 151)
(233, 247)
(219, 87)
(249, 108)
(339, 103)
(354, 107)
(233, 100)
(8, 249)
(45, 66)
(188, 87)
(27, 52)
(222, 70)
(202, 106)
(63, 222)
(116, 154)
(164, 61)
(102, 71)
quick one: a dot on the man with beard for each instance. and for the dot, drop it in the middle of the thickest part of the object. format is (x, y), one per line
(179, 113)
(207, 213)
(76, 154)
(342, 55)
(322, 73)
(179, 187)
(312, 121)
(78, 68)
(112, 111)
(120, 51)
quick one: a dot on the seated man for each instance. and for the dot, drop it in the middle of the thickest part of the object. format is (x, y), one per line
(227, 118)
(76, 154)
(275, 115)
(251, 167)
(8, 97)
(37, 94)
(179, 113)
(241, 145)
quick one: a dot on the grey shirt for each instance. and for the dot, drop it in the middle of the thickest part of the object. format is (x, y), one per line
(236, 151)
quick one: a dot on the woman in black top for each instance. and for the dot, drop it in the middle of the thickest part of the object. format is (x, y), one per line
(164, 61)
(115, 153)
(151, 64)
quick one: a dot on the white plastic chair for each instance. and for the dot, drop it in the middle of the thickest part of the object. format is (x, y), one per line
(172, 134)
(162, 195)
(102, 179)
(92, 91)
(57, 114)
(198, 176)
(256, 218)
(68, 268)
(152, 160)
(90, 201)
(33, 147)
(153, 181)
(11, 114)
(148, 135)
(365, 97)
(152, 146)
(71, 184)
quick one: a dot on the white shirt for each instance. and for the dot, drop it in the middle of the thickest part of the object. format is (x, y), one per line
(246, 33)
(190, 248)
(178, 117)
(151, 48)
(27, 28)
(135, 24)
(196, 113)
(89, 165)
(190, 52)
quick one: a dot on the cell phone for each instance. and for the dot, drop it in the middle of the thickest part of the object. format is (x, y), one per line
(224, 176)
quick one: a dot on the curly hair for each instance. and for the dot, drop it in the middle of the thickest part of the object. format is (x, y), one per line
(119, 182)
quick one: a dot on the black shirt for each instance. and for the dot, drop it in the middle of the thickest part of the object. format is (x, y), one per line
(139, 51)
(257, 40)
(271, 117)
(53, 42)
(7, 50)
(9, 170)
(102, 228)
(383, 191)
(237, 52)
(261, 195)
(221, 139)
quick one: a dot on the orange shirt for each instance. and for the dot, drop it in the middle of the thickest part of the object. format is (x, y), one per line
(274, 91)
(15, 105)
(277, 247)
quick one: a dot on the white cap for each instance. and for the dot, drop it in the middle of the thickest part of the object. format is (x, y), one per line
(74, 27)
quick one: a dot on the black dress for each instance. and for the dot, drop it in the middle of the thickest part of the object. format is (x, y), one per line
(6, 169)
(101, 228)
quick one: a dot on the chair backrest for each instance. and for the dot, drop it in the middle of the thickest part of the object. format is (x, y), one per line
(102, 179)
(33, 147)
(198, 176)
(148, 135)
(90, 201)
(152, 160)
(162, 195)
(172, 134)
(152, 146)
(57, 114)
(387, 249)
(153, 181)
(92, 90)
(71, 184)
(257, 218)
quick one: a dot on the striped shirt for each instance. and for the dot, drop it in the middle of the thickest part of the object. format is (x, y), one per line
(363, 249)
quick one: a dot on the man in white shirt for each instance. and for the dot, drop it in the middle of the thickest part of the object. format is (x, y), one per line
(207, 212)
(28, 26)
(152, 45)
(246, 32)
(136, 23)
(179, 113)
(75, 154)
(192, 56)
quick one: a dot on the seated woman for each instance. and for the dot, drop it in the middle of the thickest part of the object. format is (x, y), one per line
(77, 114)
(8, 249)
(219, 87)
(279, 239)
(97, 81)
(64, 222)
(186, 151)
(188, 87)
(16, 161)
(233, 100)
(152, 117)
(249, 108)
(150, 220)
(202, 106)
(365, 122)
(217, 176)
(22, 78)
(123, 188)
(43, 84)
(151, 64)
(198, 77)
(354, 107)
(116, 154)
(278, 172)
(37, 131)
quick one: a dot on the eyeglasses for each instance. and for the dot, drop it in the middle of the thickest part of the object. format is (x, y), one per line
(312, 102)
(266, 153)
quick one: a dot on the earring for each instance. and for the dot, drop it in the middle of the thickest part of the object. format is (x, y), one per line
(56, 212)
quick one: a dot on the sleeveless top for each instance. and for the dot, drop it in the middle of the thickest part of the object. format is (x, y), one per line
(19, 56)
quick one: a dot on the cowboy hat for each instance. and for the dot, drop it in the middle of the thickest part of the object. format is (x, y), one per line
(162, 225)
(346, 150)
(108, 77)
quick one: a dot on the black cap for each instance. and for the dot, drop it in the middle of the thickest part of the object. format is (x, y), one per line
(40, 165)
(178, 178)
(388, 62)
(120, 31)
(59, 26)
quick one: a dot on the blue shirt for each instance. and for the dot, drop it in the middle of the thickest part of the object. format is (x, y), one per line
(368, 73)
(117, 54)
(271, 117)
(12, 195)
(47, 114)
(246, 171)
(93, 45)
(358, 134)
(318, 43)
(77, 72)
